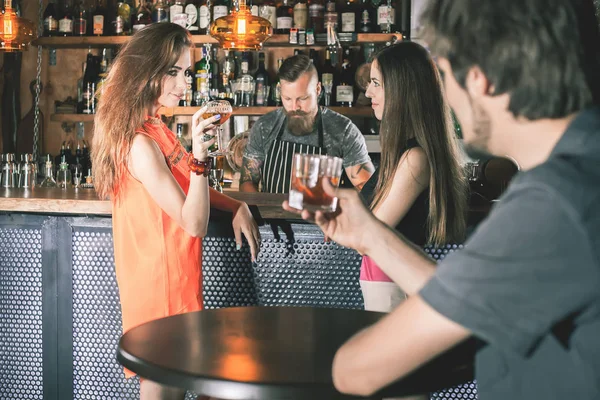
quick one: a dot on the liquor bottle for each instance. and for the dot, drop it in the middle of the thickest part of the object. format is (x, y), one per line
(237, 60)
(268, 11)
(86, 162)
(50, 20)
(254, 6)
(143, 16)
(80, 90)
(344, 91)
(102, 74)
(123, 19)
(99, 25)
(191, 11)
(261, 79)
(63, 152)
(386, 15)
(65, 24)
(327, 77)
(366, 17)
(80, 18)
(285, 14)
(89, 84)
(330, 16)
(204, 16)
(349, 16)
(111, 12)
(228, 74)
(316, 15)
(160, 12)
(176, 14)
(245, 95)
(188, 99)
(220, 9)
(214, 73)
(300, 14)
(276, 87)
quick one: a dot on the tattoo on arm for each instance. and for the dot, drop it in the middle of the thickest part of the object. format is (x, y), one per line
(251, 171)
(360, 174)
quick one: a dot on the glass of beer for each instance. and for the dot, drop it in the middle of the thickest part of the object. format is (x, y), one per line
(224, 109)
(306, 188)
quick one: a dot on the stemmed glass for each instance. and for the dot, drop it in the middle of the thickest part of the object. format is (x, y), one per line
(224, 109)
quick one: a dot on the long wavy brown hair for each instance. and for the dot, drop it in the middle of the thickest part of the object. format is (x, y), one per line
(132, 88)
(415, 108)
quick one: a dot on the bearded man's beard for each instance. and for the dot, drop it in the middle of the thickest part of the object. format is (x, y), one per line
(300, 123)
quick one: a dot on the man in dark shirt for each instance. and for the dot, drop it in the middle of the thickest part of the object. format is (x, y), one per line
(523, 77)
(301, 126)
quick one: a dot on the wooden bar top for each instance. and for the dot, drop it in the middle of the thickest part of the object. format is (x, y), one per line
(86, 202)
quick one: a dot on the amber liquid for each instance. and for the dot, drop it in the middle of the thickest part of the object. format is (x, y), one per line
(314, 196)
(224, 117)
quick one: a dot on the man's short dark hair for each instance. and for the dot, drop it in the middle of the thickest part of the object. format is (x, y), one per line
(544, 53)
(295, 66)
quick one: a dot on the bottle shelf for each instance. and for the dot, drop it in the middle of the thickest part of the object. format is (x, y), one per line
(365, 112)
(274, 41)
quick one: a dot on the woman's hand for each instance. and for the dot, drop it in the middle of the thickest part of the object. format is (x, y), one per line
(244, 223)
(203, 134)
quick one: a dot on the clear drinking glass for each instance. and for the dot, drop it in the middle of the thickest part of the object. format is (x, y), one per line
(224, 109)
(306, 189)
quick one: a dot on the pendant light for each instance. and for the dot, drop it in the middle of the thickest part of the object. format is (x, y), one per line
(241, 30)
(15, 32)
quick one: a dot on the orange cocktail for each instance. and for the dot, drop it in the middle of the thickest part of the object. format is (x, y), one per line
(306, 188)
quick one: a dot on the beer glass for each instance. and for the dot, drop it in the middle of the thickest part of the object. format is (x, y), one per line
(306, 188)
(224, 109)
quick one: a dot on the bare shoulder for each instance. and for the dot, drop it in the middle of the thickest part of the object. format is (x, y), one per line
(415, 162)
(144, 156)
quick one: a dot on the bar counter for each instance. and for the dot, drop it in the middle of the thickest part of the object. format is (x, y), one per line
(86, 202)
(59, 301)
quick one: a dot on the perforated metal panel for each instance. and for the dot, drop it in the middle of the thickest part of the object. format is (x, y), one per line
(439, 253)
(97, 320)
(227, 274)
(468, 391)
(21, 358)
(307, 272)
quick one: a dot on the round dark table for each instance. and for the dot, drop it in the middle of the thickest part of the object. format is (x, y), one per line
(265, 353)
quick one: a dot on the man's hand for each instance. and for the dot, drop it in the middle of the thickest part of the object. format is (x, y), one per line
(351, 225)
(244, 223)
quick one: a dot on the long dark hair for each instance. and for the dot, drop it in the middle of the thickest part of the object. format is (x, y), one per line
(415, 108)
(132, 88)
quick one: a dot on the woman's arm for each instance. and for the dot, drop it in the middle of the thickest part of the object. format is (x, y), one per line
(243, 221)
(147, 164)
(409, 181)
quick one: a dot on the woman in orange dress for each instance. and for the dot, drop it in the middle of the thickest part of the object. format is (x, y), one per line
(160, 194)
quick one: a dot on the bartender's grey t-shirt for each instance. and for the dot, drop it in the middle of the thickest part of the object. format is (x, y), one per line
(527, 282)
(341, 137)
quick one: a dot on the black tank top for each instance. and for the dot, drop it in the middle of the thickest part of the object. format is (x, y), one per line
(414, 224)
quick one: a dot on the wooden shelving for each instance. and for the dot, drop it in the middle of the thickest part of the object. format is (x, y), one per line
(274, 41)
(365, 112)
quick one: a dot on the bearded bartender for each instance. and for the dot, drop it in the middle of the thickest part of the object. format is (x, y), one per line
(301, 126)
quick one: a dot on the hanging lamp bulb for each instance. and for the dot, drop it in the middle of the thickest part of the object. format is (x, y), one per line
(15, 32)
(241, 30)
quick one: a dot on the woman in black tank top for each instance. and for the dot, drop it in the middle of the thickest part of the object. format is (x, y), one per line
(419, 187)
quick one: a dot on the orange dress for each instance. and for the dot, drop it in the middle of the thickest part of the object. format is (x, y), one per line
(158, 264)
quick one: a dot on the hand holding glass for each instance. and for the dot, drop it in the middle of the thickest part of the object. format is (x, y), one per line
(224, 109)
(306, 190)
